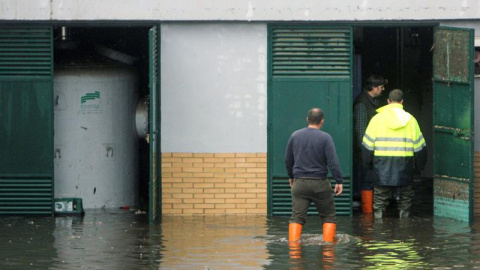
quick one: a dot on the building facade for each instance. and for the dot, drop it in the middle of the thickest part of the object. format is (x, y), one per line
(227, 100)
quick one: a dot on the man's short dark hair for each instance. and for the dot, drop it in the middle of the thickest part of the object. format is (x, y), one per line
(315, 116)
(396, 95)
(373, 81)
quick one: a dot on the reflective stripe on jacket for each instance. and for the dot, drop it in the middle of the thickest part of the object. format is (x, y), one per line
(393, 144)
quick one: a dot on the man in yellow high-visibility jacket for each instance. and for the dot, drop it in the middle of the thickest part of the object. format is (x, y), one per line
(394, 146)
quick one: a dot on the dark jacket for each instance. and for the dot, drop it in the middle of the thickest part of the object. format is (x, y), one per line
(370, 105)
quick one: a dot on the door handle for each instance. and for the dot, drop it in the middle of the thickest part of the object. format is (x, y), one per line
(464, 134)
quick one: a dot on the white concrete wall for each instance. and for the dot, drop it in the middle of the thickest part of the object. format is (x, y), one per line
(214, 87)
(239, 10)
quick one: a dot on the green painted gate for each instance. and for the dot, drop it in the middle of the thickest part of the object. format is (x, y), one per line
(453, 123)
(308, 66)
(155, 185)
(26, 121)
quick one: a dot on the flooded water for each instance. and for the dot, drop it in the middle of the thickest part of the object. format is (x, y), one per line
(121, 239)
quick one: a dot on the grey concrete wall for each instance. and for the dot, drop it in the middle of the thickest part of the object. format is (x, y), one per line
(238, 10)
(214, 91)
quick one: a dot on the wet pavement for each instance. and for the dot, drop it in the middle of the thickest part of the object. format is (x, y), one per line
(122, 239)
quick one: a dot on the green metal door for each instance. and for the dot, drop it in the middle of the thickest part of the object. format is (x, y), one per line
(26, 121)
(453, 123)
(155, 186)
(309, 66)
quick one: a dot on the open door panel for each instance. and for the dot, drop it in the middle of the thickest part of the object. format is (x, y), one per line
(453, 123)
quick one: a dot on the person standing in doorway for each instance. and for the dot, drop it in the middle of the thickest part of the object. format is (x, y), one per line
(309, 155)
(364, 108)
(394, 147)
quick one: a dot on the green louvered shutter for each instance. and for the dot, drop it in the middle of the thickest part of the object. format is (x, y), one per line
(308, 66)
(26, 121)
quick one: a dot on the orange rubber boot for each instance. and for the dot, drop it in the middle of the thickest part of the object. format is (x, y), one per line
(294, 232)
(367, 200)
(329, 230)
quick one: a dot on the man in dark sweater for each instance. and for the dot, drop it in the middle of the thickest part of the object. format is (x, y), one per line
(310, 153)
(364, 108)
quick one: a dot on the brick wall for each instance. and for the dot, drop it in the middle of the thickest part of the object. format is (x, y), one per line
(214, 183)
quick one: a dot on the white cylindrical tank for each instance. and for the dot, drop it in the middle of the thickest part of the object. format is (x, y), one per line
(96, 145)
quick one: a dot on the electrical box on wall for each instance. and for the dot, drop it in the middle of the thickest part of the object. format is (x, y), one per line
(69, 206)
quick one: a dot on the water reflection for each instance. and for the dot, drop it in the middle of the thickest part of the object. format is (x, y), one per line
(118, 239)
(105, 239)
(26, 243)
(221, 242)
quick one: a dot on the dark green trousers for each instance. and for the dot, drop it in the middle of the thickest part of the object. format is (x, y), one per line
(382, 195)
(306, 191)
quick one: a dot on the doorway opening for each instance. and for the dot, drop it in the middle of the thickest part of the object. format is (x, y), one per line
(403, 56)
(101, 88)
